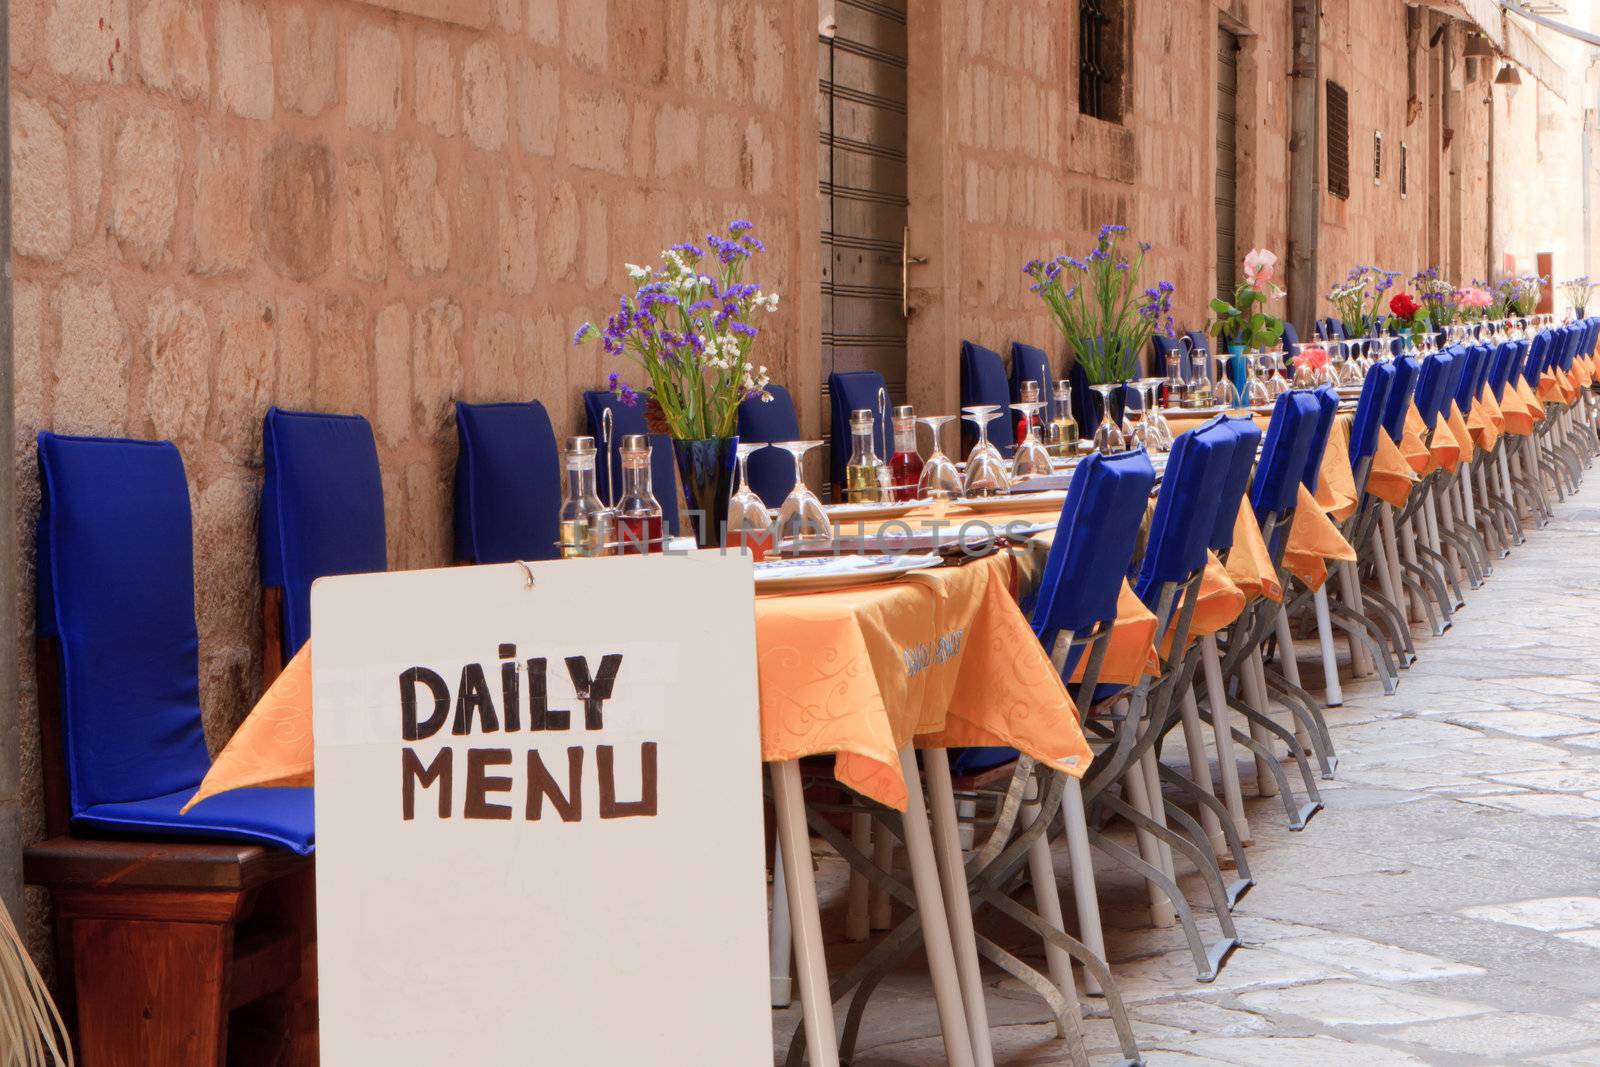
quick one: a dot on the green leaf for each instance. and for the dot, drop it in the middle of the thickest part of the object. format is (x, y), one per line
(1222, 307)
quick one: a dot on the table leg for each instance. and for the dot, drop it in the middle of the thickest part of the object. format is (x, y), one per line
(1221, 728)
(811, 966)
(856, 924)
(953, 879)
(935, 918)
(780, 937)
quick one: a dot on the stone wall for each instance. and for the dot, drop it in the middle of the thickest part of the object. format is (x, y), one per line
(226, 204)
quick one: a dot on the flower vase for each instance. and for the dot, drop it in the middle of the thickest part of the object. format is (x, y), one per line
(1578, 310)
(705, 466)
(1236, 372)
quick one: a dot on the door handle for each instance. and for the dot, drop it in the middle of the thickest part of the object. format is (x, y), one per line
(907, 261)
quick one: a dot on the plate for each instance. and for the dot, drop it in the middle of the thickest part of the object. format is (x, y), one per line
(833, 572)
(1010, 501)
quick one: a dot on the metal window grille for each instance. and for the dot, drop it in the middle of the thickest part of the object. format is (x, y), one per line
(1405, 169)
(1097, 88)
(1338, 104)
(1377, 158)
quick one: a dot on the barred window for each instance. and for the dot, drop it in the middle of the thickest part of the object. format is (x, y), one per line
(1405, 169)
(1338, 140)
(1102, 28)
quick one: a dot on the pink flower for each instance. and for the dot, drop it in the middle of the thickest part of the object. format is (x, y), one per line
(1258, 266)
(1314, 357)
(1474, 297)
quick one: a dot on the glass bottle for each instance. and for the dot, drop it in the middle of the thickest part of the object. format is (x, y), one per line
(865, 475)
(1174, 388)
(638, 511)
(905, 465)
(1028, 393)
(586, 524)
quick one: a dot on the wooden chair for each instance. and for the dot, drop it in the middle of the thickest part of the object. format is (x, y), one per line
(166, 924)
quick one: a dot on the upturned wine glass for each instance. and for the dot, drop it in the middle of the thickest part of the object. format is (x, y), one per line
(1032, 457)
(986, 467)
(1158, 432)
(1108, 438)
(749, 521)
(802, 517)
(940, 479)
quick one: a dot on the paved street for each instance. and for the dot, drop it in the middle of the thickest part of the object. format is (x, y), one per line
(1444, 908)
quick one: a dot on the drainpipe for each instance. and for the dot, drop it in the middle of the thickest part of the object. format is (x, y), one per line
(1305, 176)
(1591, 117)
(10, 726)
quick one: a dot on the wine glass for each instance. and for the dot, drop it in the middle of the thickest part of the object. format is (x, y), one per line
(1272, 367)
(1032, 457)
(1108, 438)
(1223, 393)
(1158, 433)
(940, 479)
(986, 468)
(1255, 390)
(802, 517)
(749, 521)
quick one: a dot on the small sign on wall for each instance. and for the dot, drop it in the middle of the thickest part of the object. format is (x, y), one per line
(539, 815)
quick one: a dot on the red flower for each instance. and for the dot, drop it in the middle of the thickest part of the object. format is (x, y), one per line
(1403, 306)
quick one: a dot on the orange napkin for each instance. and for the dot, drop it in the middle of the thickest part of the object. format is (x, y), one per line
(1458, 427)
(1313, 540)
(273, 744)
(1484, 421)
(1416, 452)
(1132, 651)
(1249, 564)
(1391, 477)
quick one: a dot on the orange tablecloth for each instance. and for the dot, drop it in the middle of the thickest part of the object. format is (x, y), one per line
(942, 655)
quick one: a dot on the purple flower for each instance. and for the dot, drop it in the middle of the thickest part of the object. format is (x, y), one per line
(1144, 246)
(752, 244)
(583, 332)
(740, 225)
(742, 328)
(1033, 266)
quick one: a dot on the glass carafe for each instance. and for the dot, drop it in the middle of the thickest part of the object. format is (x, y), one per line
(905, 464)
(865, 475)
(638, 512)
(586, 523)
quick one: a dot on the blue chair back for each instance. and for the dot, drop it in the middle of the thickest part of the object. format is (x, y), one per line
(771, 469)
(1431, 383)
(1030, 364)
(629, 419)
(508, 483)
(1538, 353)
(1368, 423)
(1247, 439)
(1283, 454)
(1182, 525)
(1466, 386)
(1406, 371)
(1327, 407)
(983, 381)
(1291, 336)
(852, 391)
(1500, 367)
(321, 508)
(116, 590)
(1094, 544)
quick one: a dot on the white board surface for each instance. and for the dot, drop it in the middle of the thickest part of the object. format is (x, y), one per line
(622, 925)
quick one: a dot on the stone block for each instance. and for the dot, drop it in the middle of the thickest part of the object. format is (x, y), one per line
(583, 31)
(436, 372)
(391, 344)
(88, 168)
(366, 220)
(221, 228)
(173, 49)
(372, 77)
(519, 237)
(538, 106)
(144, 198)
(484, 96)
(544, 21)
(246, 351)
(421, 222)
(88, 39)
(308, 76)
(596, 247)
(296, 210)
(562, 227)
(639, 41)
(475, 245)
(296, 353)
(493, 373)
(677, 141)
(41, 207)
(594, 129)
(344, 351)
(435, 89)
(244, 59)
(177, 351)
(91, 388)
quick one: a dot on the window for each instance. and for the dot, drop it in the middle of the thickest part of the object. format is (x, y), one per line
(1405, 169)
(1101, 32)
(1338, 141)
(1377, 158)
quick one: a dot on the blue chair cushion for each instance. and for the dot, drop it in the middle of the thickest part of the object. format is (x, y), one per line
(771, 469)
(1031, 364)
(629, 419)
(1184, 519)
(968, 761)
(1370, 409)
(983, 381)
(1283, 455)
(277, 816)
(1406, 369)
(508, 483)
(1242, 462)
(321, 508)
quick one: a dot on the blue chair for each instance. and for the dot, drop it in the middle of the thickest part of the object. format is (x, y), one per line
(983, 381)
(771, 469)
(1327, 407)
(853, 391)
(508, 483)
(1431, 383)
(1248, 442)
(321, 511)
(1368, 422)
(1030, 364)
(629, 419)
(1291, 336)
(1406, 369)
(116, 596)
(1184, 521)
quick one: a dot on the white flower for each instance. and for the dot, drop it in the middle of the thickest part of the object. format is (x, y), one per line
(767, 398)
(772, 301)
(636, 272)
